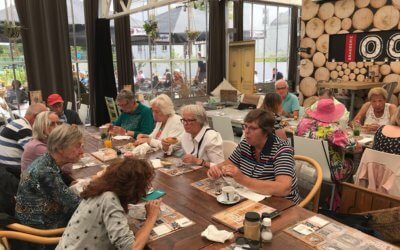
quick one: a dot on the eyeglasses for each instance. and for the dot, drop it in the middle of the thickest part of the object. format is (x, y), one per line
(187, 121)
(250, 128)
(55, 123)
(281, 88)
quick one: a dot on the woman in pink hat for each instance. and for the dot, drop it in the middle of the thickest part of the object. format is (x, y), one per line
(323, 123)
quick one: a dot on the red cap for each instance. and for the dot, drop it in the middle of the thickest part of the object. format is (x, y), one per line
(53, 99)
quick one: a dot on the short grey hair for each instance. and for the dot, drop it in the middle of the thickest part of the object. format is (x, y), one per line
(198, 111)
(63, 136)
(125, 95)
(281, 80)
(395, 120)
(41, 125)
(164, 103)
(377, 91)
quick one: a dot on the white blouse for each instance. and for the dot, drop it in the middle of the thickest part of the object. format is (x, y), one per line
(173, 128)
(370, 117)
(206, 145)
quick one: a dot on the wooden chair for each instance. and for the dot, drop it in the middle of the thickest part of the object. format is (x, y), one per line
(223, 125)
(112, 108)
(229, 147)
(30, 234)
(309, 180)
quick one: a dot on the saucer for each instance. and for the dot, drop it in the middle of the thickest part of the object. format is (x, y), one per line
(221, 199)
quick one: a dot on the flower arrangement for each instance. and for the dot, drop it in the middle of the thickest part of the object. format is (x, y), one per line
(151, 27)
(192, 35)
(12, 31)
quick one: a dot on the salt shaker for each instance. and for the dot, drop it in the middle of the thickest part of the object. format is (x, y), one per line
(266, 232)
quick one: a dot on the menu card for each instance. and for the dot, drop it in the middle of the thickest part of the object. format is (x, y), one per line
(233, 217)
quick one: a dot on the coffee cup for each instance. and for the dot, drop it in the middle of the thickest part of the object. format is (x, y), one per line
(103, 129)
(229, 193)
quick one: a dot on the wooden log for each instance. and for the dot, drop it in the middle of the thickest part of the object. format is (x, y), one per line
(352, 65)
(362, 3)
(322, 43)
(347, 72)
(396, 4)
(345, 78)
(301, 98)
(386, 18)
(308, 86)
(322, 74)
(307, 43)
(356, 71)
(344, 66)
(334, 75)
(384, 69)
(344, 8)
(326, 11)
(346, 23)
(362, 19)
(314, 28)
(338, 68)
(306, 68)
(340, 63)
(358, 31)
(310, 101)
(331, 65)
(377, 3)
(363, 71)
(302, 29)
(340, 73)
(360, 78)
(352, 76)
(343, 32)
(360, 65)
(333, 25)
(367, 64)
(374, 29)
(309, 9)
(393, 78)
(379, 63)
(319, 59)
(395, 66)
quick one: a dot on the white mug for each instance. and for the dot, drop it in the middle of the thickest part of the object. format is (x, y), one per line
(229, 193)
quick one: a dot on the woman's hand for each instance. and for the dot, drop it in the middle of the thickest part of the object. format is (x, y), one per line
(214, 172)
(191, 159)
(142, 136)
(153, 209)
(232, 171)
(116, 130)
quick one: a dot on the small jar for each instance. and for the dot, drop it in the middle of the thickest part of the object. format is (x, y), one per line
(266, 232)
(252, 226)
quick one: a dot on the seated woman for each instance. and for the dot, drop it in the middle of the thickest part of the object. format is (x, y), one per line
(168, 123)
(262, 161)
(273, 103)
(328, 94)
(44, 123)
(43, 200)
(322, 123)
(387, 138)
(376, 112)
(100, 221)
(201, 144)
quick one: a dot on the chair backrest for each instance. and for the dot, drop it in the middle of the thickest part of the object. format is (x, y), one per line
(389, 87)
(83, 112)
(229, 147)
(315, 149)
(112, 108)
(223, 125)
(69, 105)
(379, 171)
(309, 180)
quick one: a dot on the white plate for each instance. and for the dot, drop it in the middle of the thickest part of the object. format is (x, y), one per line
(221, 199)
(121, 137)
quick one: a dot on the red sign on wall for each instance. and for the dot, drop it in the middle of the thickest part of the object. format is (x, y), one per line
(350, 48)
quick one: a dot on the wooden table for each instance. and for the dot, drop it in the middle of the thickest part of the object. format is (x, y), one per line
(353, 86)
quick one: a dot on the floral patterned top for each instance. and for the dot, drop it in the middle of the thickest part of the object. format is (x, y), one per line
(43, 200)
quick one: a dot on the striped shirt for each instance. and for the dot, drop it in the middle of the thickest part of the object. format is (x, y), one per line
(13, 138)
(276, 159)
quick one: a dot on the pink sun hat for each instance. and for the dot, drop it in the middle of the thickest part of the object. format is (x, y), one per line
(327, 111)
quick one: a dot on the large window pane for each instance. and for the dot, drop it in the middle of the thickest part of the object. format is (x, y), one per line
(247, 21)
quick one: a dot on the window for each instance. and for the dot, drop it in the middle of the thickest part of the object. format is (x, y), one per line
(269, 25)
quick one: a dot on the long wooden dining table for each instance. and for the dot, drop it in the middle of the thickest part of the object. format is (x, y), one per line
(199, 207)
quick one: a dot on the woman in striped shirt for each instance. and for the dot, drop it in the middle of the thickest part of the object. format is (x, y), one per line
(262, 161)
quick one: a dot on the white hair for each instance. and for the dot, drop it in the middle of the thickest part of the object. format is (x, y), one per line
(164, 103)
(198, 111)
(63, 136)
(40, 126)
(281, 80)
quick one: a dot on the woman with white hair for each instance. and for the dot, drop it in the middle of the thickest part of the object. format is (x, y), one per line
(168, 123)
(43, 199)
(202, 145)
(44, 123)
(387, 138)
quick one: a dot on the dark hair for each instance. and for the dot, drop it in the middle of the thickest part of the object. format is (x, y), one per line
(128, 178)
(272, 102)
(264, 119)
(328, 92)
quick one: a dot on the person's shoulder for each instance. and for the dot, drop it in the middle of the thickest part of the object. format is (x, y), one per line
(70, 112)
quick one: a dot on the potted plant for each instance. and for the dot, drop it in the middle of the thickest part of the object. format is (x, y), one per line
(192, 35)
(151, 27)
(12, 31)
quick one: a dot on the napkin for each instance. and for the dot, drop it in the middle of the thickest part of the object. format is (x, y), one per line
(142, 149)
(156, 163)
(121, 137)
(213, 234)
